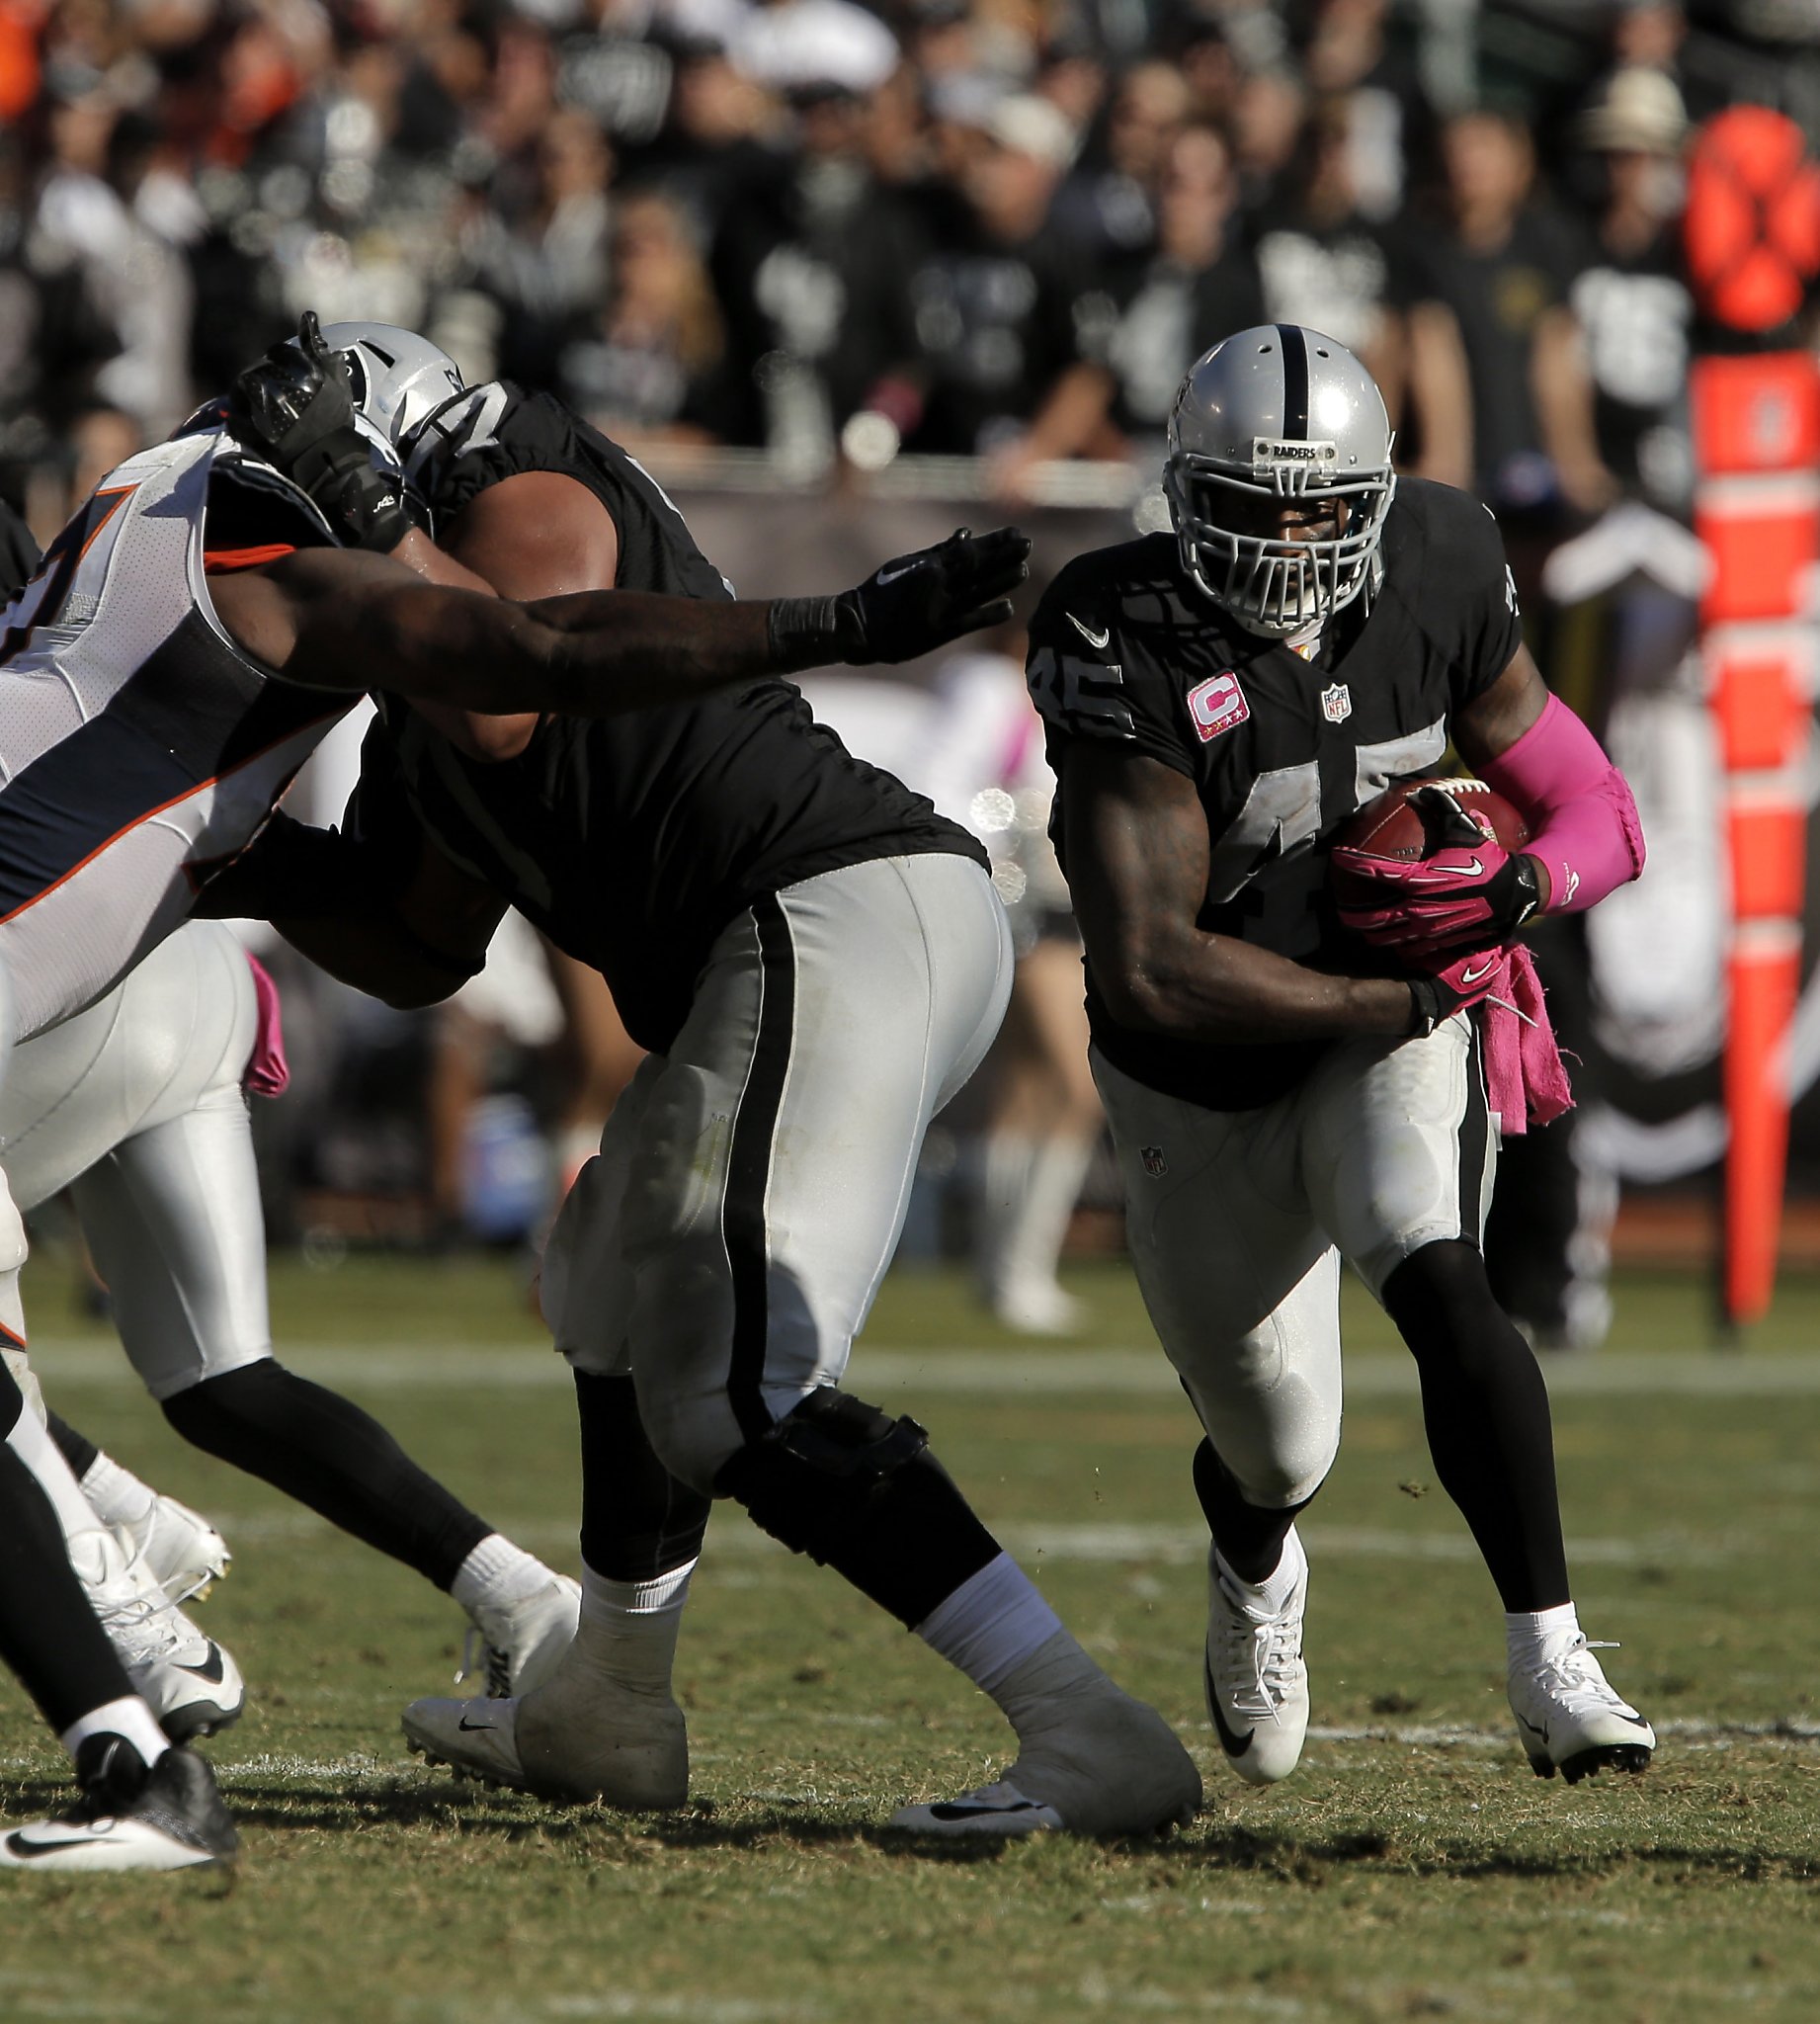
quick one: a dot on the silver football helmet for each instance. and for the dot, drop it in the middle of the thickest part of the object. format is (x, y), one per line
(1271, 414)
(400, 380)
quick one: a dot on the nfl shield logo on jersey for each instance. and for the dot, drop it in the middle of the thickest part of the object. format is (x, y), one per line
(1337, 703)
(1155, 1165)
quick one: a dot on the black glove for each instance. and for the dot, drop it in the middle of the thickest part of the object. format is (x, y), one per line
(296, 410)
(1511, 896)
(907, 608)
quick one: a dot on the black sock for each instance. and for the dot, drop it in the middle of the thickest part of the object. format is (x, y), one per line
(860, 1493)
(1250, 1539)
(78, 1449)
(50, 1637)
(916, 1544)
(1486, 1410)
(319, 1447)
(637, 1520)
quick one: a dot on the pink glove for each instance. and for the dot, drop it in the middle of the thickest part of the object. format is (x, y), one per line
(1471, 891)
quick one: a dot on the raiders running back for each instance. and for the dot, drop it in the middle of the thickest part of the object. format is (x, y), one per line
(707, 805)
(1124, 650)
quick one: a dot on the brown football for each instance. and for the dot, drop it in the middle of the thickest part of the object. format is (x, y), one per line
(1392, 826)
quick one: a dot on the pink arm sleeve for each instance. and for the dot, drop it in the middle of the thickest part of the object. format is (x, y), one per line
(1580, 809)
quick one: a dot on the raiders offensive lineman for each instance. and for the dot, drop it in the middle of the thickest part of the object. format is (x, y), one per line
(1216, 705)
(815, 961)
(193, 632)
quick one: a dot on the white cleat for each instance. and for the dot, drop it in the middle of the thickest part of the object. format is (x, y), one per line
(476, 1739)
(1102, 1764)
(626, 1746)
(192, 1685)
(184, 1553)
(1572, 1719)
(1257, 1685)
(999, 1811)
(168, 1818)
(525, 1640)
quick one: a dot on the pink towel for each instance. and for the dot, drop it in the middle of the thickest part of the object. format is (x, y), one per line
(268, 1073)
(1526, 1080)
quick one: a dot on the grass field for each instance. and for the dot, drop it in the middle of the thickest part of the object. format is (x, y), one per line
(1412, 1868)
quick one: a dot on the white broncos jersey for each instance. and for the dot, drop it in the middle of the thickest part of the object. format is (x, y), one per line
(138, 745)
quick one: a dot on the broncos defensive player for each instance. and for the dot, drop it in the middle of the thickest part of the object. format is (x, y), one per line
(1216, 705)
(815, 961)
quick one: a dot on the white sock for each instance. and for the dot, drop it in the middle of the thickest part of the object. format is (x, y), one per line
(32, 1443)
(497, 1574)
(118, 1495)
(1531, 1634)
(1037, 1221)
(991, 1624)
(1274, 1589)
(629, 1629)
(130, 1718)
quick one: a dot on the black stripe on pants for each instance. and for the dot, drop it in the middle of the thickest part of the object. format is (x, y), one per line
(742, 1213)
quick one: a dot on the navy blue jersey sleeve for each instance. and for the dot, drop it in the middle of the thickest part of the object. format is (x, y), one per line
(1087, 682)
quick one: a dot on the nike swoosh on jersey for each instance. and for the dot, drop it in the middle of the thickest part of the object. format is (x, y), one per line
(1097, 640)
(1472, 976)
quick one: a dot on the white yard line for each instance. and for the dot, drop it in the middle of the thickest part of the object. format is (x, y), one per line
(1053, 1373)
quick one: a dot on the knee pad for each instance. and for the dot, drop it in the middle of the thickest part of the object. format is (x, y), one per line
(814, 1476)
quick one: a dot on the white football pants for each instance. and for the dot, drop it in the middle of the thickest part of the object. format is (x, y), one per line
(725, 1246)
(1239, 1220)
(137, 1106)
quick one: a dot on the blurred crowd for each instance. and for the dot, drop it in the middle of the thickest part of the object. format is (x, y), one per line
(836, 232)
(994, 228)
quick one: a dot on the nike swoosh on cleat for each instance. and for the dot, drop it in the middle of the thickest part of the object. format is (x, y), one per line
(210, 1670)
(17, 1844)
(972, 1810)
(1232, 1743)
(465, 1724)
(1094, 640)
(1532, 1727)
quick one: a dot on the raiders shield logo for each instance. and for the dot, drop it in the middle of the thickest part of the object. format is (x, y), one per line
(1337, 703)
(1155, 1165)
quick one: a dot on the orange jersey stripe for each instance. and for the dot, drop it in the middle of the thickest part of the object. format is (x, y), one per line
(220, 562)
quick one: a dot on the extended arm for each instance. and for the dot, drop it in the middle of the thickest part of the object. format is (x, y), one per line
(1136, 848)
(347, 620)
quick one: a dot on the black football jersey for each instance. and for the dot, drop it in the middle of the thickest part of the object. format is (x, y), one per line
(632, 841)
(1126, 650)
